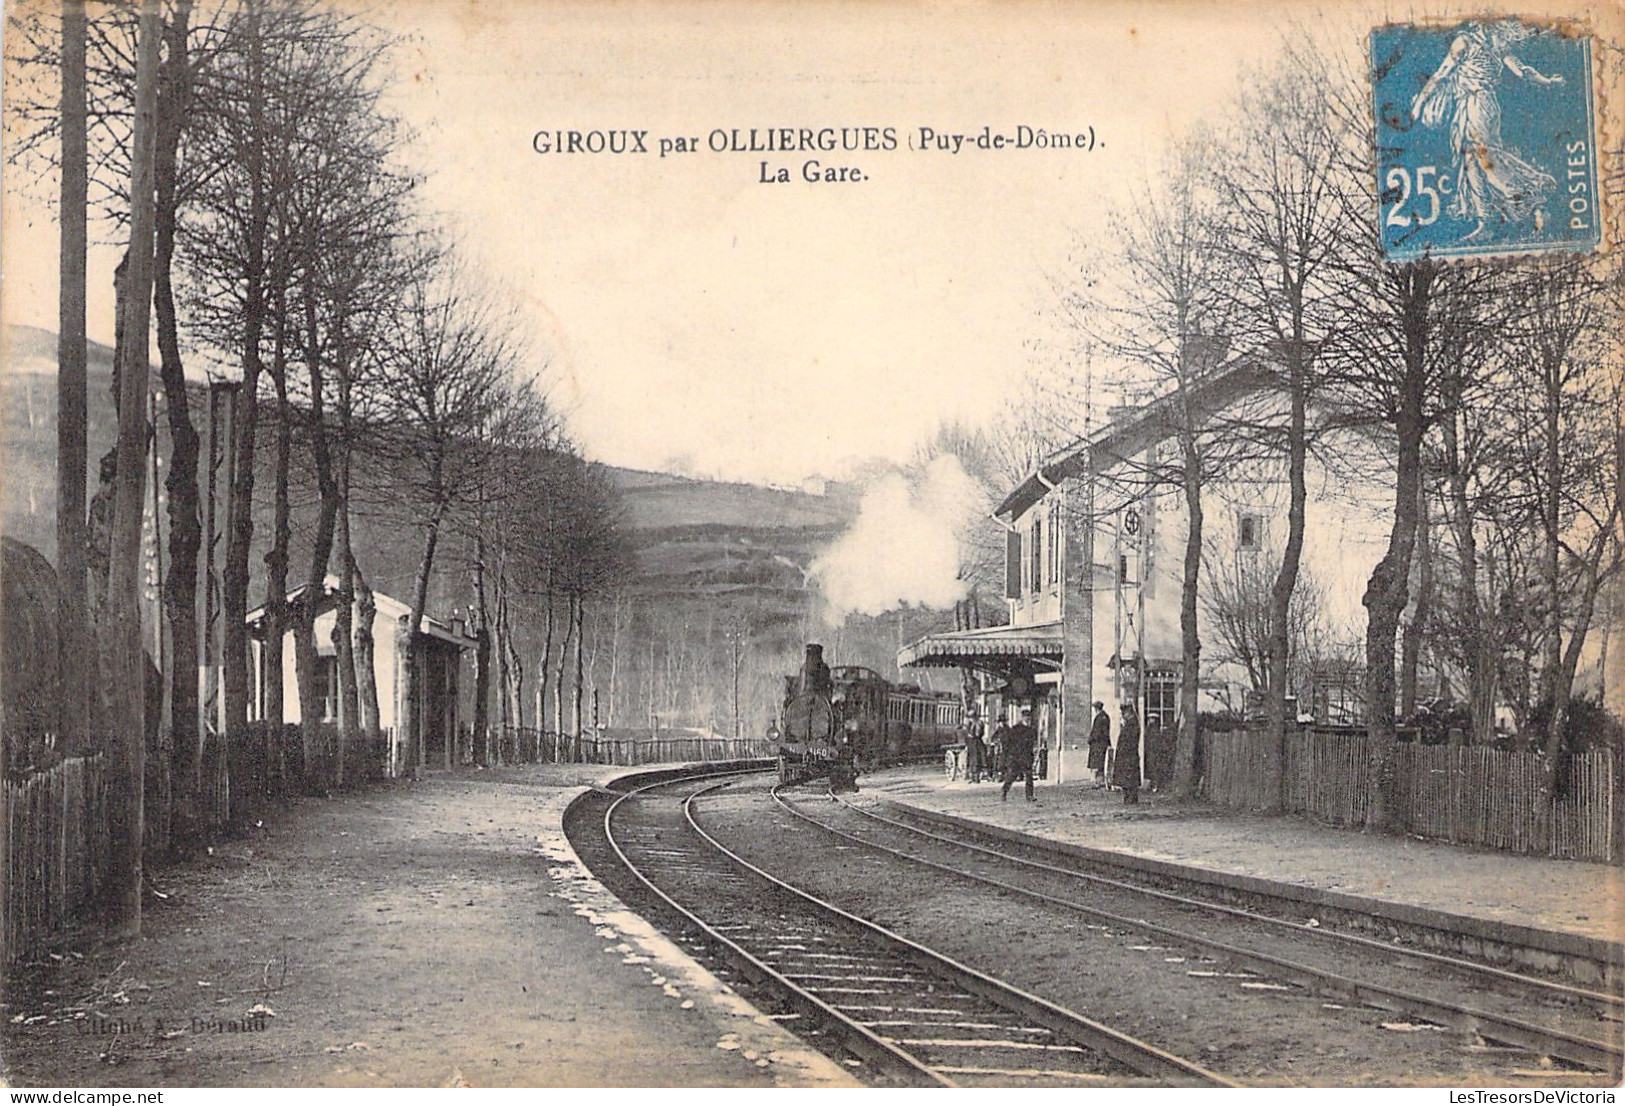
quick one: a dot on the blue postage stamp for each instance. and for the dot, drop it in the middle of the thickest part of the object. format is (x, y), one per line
(1486, 140)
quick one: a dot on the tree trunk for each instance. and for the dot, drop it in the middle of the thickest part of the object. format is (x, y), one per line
(1563, 685)
(558, 678)
(482, 659)
(580, 616)
(366, 672)
(73, 638)
(185, 519)
(1478, 644)
(412, 716)
(1551, 562)
(1190, 638)
(1387, 590)
(1286, 577)
(344, 631)
(506, 712)
(1410, 654)
(126, 792)
(240, 536)
(277, 614)
(343, 641)
(516, 664)
(614, 655)
(311, 709)
(547, 651)
(482, 695)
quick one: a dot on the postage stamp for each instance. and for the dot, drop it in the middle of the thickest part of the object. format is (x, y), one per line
(1486, 140)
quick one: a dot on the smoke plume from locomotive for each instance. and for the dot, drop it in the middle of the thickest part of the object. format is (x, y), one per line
(904, 549)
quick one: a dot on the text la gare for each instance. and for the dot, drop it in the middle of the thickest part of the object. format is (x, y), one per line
(812, 171)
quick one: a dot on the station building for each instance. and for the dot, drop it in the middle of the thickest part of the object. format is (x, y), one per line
(1094, 557)
(442, 688)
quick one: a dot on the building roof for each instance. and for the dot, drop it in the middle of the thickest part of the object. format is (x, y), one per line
(1134, 431)
(388, 606)
(980, 647)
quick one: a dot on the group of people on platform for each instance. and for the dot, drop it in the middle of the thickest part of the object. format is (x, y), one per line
(1005, 754)
(1009, 752)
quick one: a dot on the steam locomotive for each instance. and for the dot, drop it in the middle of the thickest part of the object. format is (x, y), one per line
(840, 722)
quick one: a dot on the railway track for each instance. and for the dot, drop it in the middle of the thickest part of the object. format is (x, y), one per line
(1587, 968)
(1290, 918)
(1255, 941)
(895, 1011)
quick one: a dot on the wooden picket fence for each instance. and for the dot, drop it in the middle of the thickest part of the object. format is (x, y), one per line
(54, 839)
(527, 745)
(1329, 777)
(674, 750)
(1471, 795)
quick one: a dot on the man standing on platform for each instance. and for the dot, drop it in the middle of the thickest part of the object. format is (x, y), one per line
(1100, 742)
(994, 747)
(1126, 769)
(1019, 742)
(975, 751)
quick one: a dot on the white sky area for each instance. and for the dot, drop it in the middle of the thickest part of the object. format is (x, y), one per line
(693, 317)
(769, 332)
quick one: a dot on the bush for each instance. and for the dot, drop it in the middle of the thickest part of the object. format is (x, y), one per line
(1432, 722)
(1219, 721)
(1589, 727)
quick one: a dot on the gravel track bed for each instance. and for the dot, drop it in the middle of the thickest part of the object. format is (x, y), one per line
(1301, 944)
(1227, 1017)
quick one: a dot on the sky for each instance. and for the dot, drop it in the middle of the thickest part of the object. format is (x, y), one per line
(692, 317)
(697, 316)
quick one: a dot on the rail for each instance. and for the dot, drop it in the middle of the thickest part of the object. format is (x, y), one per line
(896, 1056)
(1590, 1052)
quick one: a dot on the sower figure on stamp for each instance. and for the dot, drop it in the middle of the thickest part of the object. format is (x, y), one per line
(1126, 770)
(1491, 181)
(1019, 743)
(1100, 741)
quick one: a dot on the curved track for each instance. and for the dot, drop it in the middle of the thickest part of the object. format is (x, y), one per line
(1055, 885)
(895, 1011)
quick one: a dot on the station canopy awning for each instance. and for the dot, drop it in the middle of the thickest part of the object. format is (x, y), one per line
(996, 650)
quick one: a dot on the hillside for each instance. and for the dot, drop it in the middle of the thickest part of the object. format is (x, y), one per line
(714, 561)
(694, 539)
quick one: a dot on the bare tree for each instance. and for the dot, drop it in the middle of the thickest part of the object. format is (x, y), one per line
(1285, 222)
(244, 143)
(73, 640)
(1404, 326)
(1168, 321)
(1571, 451)
(450, 401)
(342, 210)
(123, 641)
(1238, 602)
(1470, 461)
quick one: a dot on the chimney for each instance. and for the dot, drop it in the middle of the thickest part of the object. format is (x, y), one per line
(1204, 352)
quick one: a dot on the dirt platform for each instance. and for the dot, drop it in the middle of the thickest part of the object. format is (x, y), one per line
(431, 934)
(1565, 896)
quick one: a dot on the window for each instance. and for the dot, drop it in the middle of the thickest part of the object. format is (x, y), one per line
(327, 691)
(1035, 575)
(1250, 532)
(1162, 697)
(1012, 564)
(1055, 543)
